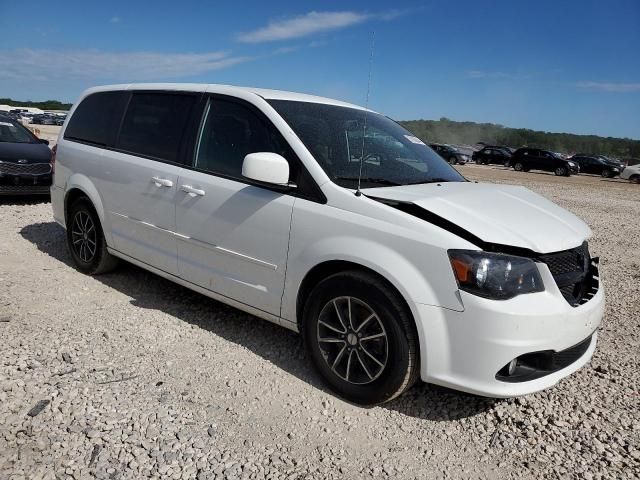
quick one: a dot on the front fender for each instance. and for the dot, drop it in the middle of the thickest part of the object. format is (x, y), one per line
(408, 253)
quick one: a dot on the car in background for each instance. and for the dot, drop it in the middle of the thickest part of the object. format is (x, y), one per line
(43, 119)
(449, 153)
(612, 160)
(631, 173)
(630, 162)
(492, 155)
(525, 159)
(597, 166)
(25, 160)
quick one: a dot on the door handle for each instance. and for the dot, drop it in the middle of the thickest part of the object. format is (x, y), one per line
(192, 191)
(162, 182)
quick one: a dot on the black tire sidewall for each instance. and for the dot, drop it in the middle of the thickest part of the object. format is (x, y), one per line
(515, 167)
(393, 318)
(92, 266)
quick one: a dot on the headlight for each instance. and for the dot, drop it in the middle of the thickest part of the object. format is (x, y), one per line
(572, 164)
(494, 275)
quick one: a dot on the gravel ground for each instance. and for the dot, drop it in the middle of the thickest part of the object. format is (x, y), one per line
(127, 375)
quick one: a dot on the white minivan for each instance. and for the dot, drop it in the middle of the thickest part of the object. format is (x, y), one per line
(333, 221)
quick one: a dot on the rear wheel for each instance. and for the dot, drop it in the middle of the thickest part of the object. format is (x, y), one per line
(361, 338)
(518, 167)
(561, 172)
(85, 239)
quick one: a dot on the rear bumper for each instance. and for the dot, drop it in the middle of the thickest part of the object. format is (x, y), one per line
(469, 350)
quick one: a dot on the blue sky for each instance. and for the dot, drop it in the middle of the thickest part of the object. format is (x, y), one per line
(571, 66)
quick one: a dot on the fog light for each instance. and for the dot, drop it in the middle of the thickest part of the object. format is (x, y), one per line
(512, 366)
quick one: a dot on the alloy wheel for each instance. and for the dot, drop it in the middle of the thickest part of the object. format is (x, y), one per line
(352, 340)
(84, 236)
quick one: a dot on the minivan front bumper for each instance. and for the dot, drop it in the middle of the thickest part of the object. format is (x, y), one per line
(471, 350)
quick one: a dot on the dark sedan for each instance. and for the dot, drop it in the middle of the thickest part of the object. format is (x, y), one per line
(25, 160)
(449, 153)
(597, 165)
(489, 155)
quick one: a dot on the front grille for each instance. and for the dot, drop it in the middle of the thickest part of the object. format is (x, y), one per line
(9, 168)
(575, 273)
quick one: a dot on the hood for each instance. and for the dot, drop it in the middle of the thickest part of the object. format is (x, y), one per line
(31, 152)
(497, 214)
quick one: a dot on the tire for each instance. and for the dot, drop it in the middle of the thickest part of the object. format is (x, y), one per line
(85, 239)
(561, 172)
(478, 161)
(518, 167)
(345, 359)
(634, 179)
(606, 174)
(453, 160)
(506, 163)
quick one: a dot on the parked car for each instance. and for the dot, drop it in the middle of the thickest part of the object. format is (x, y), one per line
(449, 153)
(492, 155)
(25, 160)
(397, 268)
(631, 173)
(597, 165)
(525, 159)
(43, 119)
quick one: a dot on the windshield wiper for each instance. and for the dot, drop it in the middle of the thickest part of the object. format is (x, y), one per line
(431, 180)
(381, 181)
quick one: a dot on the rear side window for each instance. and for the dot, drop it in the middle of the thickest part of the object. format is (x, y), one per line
(154, 124)
(96, 119)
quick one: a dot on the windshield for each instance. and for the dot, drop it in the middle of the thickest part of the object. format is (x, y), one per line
(13, 133)
(335, 136)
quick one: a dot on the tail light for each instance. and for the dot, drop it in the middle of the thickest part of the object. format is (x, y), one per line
(53, 158)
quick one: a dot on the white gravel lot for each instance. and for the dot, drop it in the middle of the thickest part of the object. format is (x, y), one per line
(139, 377)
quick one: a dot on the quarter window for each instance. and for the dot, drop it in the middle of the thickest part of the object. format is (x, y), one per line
(154, 124)
(230, 132)
(96, 119)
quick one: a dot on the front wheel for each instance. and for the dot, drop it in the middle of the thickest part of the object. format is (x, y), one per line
(361, 338)
(518, 167)
(85, 239)
(634, 179)
(561, 172)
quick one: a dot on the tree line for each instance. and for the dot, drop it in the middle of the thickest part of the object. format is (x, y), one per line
(470, 133)
(46, 105)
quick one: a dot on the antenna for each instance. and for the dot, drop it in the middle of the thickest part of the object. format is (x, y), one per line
(366, 113)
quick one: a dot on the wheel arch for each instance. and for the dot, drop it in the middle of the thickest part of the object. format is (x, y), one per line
(330, 267)
(80, 186)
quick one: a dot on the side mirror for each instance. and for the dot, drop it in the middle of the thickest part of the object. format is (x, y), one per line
(266, 167)
(42, 140)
